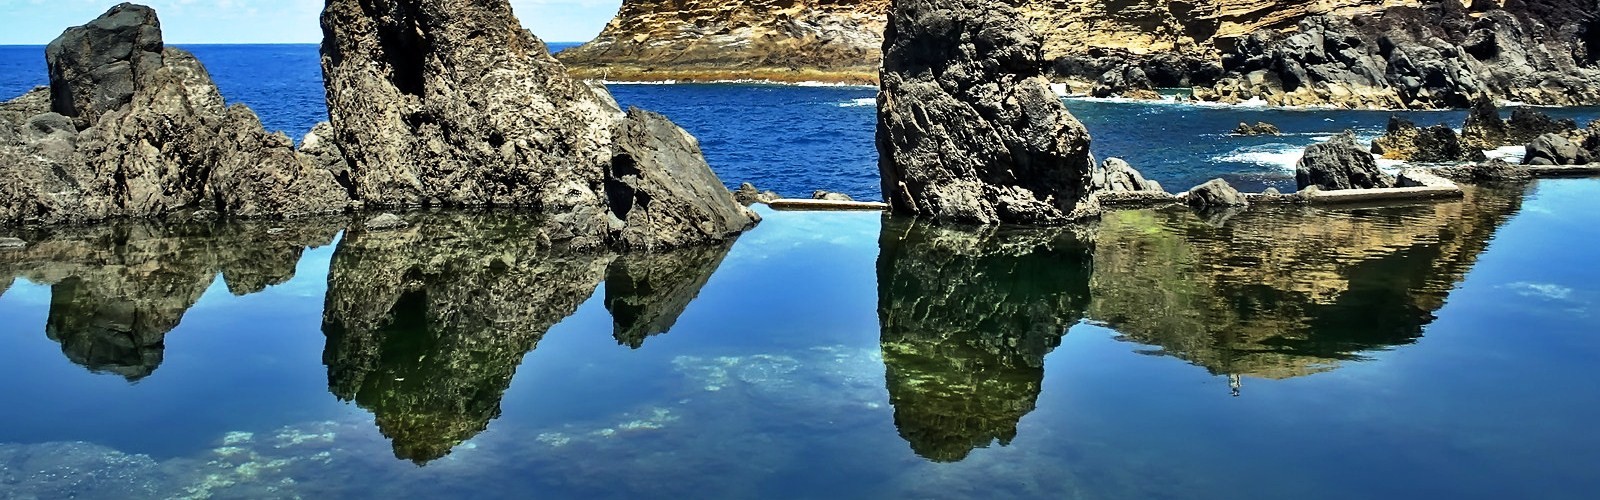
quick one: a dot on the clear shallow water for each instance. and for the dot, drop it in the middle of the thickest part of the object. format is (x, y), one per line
(1440, 350)
(796, 140)
(1436, 350)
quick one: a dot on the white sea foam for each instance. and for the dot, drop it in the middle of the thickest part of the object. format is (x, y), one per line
(1512, 154)
(1280, 156)
(859, 103)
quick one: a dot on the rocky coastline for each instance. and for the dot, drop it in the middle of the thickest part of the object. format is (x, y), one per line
(130, 128)
(1359, 54)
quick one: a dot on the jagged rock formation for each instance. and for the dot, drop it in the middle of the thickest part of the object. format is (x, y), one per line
(1433, 54)
(968, 316)
(968, 128)
(1436, 144)
(1323, 286)
(1260, 128)
(453, 103)
(118, 289)
(702, 40)
(1340, 163)
(131, 128)
(471, 295)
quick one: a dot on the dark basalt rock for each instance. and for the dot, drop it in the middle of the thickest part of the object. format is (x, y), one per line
(1125, 81)
(1494, 170)
(1432, 55)
(469, 109)
(831, 196)
(748, 194)
(1214, 194)
(1526, 125)
(1260, 128)
(1340, 163)
(1115, 175)
(968, 127)
(1436, 144)
(1552, 149)
(131, 128)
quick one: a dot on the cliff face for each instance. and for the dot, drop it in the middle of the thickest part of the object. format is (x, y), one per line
(1231, 49)
(779, 40)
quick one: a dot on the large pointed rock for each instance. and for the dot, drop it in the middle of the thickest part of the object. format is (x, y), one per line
(968, 127)
(453, 103)
(132, 128)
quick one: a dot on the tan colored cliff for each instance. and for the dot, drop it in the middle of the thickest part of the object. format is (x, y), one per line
(705, 40)
(840, 40)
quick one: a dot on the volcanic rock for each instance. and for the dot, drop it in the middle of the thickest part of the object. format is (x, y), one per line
(385, 221)
(470, 110)
(1552, 149)
(968, 127)
(131, 128)
(1439, 143)
(831, 196)
(748, 194)
(1216, 193)
(1340, 163)
(1260, 128)
(1494, 170)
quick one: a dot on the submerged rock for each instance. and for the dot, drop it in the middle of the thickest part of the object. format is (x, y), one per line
(1260, 128)
(1340, 163)
(385, 221)
(1436, 144)
(469, 109)
(1552, 149)
(132, 128)
(1494, 170)
(969, 129)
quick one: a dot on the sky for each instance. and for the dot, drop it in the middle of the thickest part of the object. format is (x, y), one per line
(37, 22)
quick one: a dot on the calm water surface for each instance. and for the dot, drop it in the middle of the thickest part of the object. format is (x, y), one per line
(1437, 350)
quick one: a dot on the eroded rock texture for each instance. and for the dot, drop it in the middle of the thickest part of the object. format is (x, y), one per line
(131, 128)
(968, 316)
(118, 289)
(453, 103)
(968, 127)
(1429, 54)
(1340, 163)
(1436, 144)
(701, 40)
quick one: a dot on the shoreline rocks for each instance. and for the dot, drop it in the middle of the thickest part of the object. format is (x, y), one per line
(527, 136)
(1260, 128)
(132, 128)
(969, 129)
(1338, 164)
(1436, 144)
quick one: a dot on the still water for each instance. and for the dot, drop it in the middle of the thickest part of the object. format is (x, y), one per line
(1441, 350)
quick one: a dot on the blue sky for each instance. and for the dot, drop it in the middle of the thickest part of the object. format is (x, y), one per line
(36, 22)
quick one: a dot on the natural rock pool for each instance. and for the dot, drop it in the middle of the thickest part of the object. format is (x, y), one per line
(1433, 350)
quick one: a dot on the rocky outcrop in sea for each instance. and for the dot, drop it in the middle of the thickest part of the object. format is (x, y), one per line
(968, 127)
(470, 110)
(132, 128)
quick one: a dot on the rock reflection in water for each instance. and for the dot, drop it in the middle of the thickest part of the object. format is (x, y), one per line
(967, 318)
(427, 325)
(1287, 292)
(117, 289)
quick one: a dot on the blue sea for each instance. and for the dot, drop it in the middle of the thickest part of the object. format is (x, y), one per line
(1431, 350)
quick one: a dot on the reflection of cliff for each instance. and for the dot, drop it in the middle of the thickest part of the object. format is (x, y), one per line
(117, 289)
(967, 317)
(1278, 295)
(427, 325)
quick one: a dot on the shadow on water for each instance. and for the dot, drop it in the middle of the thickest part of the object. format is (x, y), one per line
(118, 289)
(426, 325)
